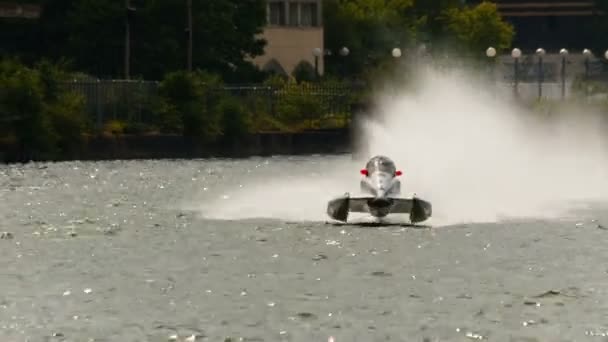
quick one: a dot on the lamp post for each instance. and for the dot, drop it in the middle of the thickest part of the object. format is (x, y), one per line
(344, 51)
(491, 53)
(564, 54)
(540, 52)
(130, 11)
(587, 54)
(189, 31)
(396, 52)
(516, 54)
(317, 53)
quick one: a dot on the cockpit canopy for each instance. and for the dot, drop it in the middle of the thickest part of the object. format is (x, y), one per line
(382, 164)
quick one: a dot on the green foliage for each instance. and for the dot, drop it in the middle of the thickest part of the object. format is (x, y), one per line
(196, 105)
(188, 104)
(304, 71)
(48, 120)
(92, 34)
(68, 119)
(476, 28)
(311, 106)
(370, 29)
(430, 13)
(114, 127)
(42, 116)
(236, 121)
(21, 104)
(276, 81)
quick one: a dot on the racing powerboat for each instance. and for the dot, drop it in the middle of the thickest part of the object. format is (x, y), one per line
(382, 191)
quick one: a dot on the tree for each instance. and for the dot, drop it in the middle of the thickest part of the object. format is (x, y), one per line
(430, 13)
(95, 36)
(224, 36)
(475, 28)
(369, 28)
(594, 29)
(92, 34)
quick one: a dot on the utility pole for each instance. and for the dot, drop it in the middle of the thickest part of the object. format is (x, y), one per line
(189, 30)
(127, 40)
(129, 12)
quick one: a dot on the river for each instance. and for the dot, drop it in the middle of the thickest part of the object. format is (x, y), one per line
(170, 250)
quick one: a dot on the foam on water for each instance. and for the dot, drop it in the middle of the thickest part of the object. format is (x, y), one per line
(473, 154)
(284, 190)
(478, 157)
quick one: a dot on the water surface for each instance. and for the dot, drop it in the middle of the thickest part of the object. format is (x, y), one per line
(117, 251)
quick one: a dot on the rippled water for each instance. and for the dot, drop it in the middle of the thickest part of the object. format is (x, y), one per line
(122, 251)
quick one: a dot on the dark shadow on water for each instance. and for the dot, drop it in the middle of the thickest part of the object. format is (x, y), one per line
(379, 225)
(275, 222)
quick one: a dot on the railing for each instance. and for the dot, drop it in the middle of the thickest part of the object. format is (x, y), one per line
(134, 101)
(116, 99)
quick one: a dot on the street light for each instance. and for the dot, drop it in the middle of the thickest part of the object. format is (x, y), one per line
(587, 53)
(606, 54)
(491, 52)
(317, 52)
(396, 52)
(516, 54)
(540, 52)
(341, 66)
(564, 54)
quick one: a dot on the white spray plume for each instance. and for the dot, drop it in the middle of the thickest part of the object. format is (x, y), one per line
(470, 151)
(479, 157)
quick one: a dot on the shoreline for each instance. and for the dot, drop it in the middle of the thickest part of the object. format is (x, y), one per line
(172, 146)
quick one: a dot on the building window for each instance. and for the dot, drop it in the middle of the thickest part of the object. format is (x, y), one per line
(308, 14)
(294, 14)
(276, 13)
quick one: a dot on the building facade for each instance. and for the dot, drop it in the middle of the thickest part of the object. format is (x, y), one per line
(551, 24)
(19, 10)
(294, 30)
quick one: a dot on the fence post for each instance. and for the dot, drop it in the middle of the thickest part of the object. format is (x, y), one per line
(99, 115)
(272, 96)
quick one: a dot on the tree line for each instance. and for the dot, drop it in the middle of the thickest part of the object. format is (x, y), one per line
(75, 37)
(90, 34)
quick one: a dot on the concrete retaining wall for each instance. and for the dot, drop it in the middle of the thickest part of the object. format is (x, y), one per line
(176, 146)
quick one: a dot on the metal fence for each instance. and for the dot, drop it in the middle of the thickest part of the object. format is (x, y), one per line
(124, 100)
(309, 103)
(135, 101)
(554, 77)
